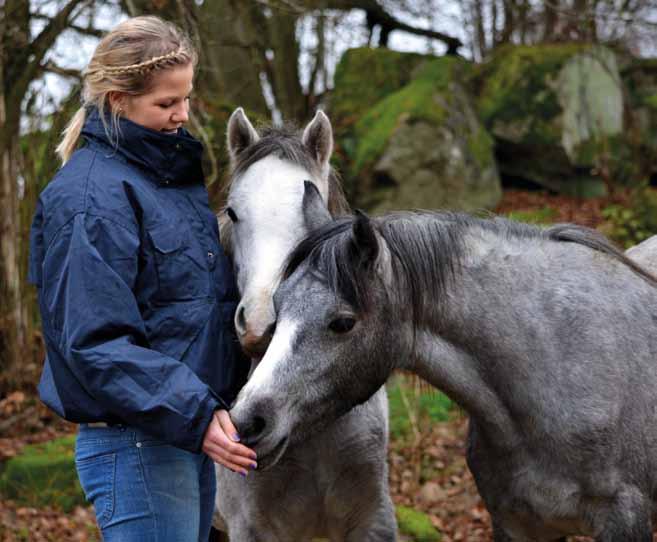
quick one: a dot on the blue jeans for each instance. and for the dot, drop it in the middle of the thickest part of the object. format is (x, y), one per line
(142, 489)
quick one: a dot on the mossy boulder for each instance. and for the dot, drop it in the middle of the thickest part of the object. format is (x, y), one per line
(557, 115)
(364, 76)
(424, 147)
(43, 475)
(416, 526)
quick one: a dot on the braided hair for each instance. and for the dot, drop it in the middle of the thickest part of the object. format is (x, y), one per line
(125, 61)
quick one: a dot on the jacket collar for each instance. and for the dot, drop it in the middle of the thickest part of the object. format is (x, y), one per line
(168, 158)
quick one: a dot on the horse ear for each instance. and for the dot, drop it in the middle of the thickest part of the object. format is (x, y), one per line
(364, 242)
(240, 133)
(318, 139)
(315, 212)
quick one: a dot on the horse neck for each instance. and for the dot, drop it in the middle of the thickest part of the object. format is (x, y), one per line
(454, 342)
(456, 372)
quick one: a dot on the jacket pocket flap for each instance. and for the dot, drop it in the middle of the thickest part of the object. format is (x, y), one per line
(166, 238)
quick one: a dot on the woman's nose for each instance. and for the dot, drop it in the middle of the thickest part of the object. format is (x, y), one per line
(181, 114)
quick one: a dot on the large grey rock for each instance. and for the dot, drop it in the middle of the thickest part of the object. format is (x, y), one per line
(590, 92)
(557, 114)
(424, 147)
(429, 165)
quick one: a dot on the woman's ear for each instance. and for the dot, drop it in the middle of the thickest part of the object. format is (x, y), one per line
(116, 101)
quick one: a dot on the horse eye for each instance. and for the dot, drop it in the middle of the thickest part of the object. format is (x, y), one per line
(231, 214)
(342, 325)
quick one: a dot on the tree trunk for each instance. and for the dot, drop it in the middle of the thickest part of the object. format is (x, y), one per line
(11, 324)
(21, 62)
(284, 66)
(509, 21)
(232, 45)
(479, 32)
(550, 19)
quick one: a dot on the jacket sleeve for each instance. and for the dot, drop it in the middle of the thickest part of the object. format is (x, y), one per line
(87, 278)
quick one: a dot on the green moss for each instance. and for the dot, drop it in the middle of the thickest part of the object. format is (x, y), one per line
(516, 83)
(421, 99)
(416, 525)
(44, 474)
(481, 144)
(651, 101)
(364, 76)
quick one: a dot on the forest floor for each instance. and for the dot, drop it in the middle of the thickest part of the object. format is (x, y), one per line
(427, 467)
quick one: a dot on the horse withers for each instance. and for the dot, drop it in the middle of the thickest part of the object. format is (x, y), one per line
(333, 482)
(547, 338)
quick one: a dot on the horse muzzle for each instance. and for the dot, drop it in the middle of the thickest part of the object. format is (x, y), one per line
(256, 427)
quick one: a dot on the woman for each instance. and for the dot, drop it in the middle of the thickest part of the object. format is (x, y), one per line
(137, 297)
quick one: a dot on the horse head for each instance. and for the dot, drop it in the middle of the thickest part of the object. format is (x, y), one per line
(282, 187)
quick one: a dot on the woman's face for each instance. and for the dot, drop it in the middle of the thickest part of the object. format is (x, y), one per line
(165, 108)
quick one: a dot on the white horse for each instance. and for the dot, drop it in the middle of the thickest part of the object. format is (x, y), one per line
(334, 482)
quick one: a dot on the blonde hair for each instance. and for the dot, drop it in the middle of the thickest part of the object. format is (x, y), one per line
(125, 61)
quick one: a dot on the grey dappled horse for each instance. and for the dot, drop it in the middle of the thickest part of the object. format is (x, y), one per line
(334, 482)
(548, 338)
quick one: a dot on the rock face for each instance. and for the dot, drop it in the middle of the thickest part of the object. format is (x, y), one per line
(420, 145)
(429, 165)
(426, 132)
(557, 115)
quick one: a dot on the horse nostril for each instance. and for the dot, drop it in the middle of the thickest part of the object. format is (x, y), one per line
(240, 320)
(271, 328)
(251, 435)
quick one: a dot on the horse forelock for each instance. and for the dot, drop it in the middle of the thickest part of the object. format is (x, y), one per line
(285, 143)
(424, 253)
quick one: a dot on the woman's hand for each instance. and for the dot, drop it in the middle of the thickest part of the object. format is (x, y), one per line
(221, 443)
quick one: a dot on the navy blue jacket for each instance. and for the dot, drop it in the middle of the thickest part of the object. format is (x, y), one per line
(136, 295)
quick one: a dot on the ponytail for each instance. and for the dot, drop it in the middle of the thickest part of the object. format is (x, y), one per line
(71, 135)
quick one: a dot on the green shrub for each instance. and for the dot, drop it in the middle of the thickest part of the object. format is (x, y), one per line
(630, 225)
(43, 475)
(545, 215)
(426, 404)
(416, 525)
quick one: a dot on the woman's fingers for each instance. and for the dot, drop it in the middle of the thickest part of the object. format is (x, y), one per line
(218, 456)
(226, 423)
(229, 439)
(221, 444)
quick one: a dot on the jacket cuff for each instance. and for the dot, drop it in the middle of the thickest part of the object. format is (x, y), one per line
(199, 424)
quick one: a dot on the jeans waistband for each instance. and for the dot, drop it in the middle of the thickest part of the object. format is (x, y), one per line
(89, 431)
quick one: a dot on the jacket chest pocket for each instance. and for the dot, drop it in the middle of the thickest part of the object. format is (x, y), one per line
(182, 271)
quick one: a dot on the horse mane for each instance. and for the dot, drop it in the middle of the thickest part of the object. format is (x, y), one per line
(426, 248)
(285, 143)
(595, 240)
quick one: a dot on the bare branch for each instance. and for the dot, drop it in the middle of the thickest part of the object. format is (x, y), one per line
(51, 67)
(32, 57)
(378, 14)
(85, 30)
